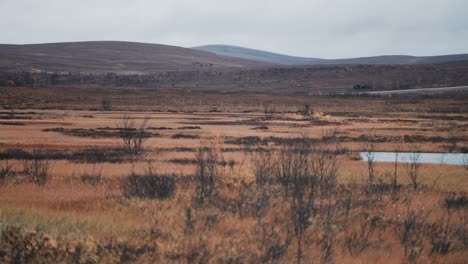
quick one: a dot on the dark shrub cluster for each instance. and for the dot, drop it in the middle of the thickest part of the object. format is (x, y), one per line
(20, 246)
(149, 186)
(89, 155)
(456, 201)
(189, 127)
(36, 169)
(182, 136)
(6, 171)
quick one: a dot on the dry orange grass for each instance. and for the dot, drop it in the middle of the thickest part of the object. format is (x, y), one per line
(67, 207)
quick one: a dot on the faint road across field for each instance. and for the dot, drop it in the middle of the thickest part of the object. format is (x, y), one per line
(420, 90)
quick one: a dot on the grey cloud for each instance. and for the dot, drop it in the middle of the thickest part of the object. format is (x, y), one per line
(314, 28)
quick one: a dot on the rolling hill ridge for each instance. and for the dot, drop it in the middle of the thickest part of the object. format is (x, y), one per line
(259, 55)
(112, 56)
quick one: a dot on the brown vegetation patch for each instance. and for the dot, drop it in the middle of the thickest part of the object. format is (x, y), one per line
(14, 116)
(260, 128)
(93, 133)
(149, 186)
(188, 161)
(189, 127)
(21, 246)
(13, 123)
(184, 136)
(444, 117)
(398, 120)
(160, 128)
(114, 155)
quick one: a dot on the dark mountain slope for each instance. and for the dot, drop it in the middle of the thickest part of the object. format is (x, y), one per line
(112, 56)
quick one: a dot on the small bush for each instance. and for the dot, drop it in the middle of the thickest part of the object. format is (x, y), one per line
(360, 238)
(215, 110)
(208, 157)
(456, 201)
(354, 156)
(106, 104)
(37, 169)
(149, 186)
(93, 179)
(6, 171)
(441, 244)
(133, 134)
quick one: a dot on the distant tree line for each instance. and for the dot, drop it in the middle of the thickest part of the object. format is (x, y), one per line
(294, 79)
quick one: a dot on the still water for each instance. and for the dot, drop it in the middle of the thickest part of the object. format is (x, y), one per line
(430, 158)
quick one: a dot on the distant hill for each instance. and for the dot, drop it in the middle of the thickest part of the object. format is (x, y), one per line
(129, 64)
(112, 56)
(259, 55)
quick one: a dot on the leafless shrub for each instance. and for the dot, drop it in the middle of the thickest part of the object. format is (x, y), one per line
(332, 136)
(264, 169)
(369, 147)
(395, 164)
(307, 175)
(412, 169)
(94, 176)
(12, 102)
(269, 111)
(245, 200)
(346, 201)
(465, 162)
(284, 167)
(452, 136)
(306, 111)
(360, 239)
(327, 233)
(410, 231)
(440, 236)
(106, 104)
(208, 156)
(37, 168)
(196, 250)
(6, 171)
(299, 184)
(133, 135)
(324, 168)
(274, 240)
(461, 231)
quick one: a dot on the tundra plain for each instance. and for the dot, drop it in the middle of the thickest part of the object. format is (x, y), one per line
(214, 179)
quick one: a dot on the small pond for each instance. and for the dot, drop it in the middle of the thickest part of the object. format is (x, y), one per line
(429, 158)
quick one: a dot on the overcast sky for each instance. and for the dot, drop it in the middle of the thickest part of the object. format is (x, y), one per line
(312, 28)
